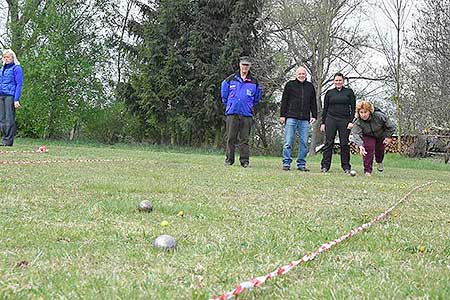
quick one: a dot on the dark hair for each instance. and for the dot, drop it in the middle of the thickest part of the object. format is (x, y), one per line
(339, 74)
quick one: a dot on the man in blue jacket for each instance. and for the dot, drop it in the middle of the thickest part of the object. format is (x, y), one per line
(10, 90)
(240, 94)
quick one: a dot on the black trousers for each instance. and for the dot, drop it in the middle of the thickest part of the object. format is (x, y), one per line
(332, 126)
(238, 132)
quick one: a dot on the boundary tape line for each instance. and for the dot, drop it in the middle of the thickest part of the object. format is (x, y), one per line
(41, 149)
(257, 281)
(30, 162)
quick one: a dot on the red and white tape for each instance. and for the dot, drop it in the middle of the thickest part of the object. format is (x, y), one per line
(41, 149)
(29, 162)
(255, 282)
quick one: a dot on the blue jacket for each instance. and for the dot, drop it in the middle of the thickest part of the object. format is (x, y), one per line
(239, 95)
(11, 76)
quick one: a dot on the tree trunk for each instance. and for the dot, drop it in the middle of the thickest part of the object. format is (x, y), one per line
(317, 135)
(398, 84)
(15, 27)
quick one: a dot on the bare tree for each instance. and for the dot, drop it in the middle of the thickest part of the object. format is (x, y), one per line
(397, 13)
(428, 97)
(322, 35)
(124, 13)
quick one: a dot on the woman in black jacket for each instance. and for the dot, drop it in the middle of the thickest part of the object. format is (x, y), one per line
(338, 112)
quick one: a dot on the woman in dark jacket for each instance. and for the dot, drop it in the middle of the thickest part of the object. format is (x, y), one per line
(337, 116)
(371, 132)
(11, 75)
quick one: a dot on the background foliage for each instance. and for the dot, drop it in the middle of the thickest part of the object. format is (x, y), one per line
(150, 71)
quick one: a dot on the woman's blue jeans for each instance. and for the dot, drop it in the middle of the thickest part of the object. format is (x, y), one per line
(301, 127)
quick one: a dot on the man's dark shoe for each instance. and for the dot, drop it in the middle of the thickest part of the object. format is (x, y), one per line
(324, 170)
(286, 168)
(245, 165)
(303, 169)
(227, 163)
(347, 171)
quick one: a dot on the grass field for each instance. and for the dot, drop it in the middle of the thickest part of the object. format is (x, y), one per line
(71, 230)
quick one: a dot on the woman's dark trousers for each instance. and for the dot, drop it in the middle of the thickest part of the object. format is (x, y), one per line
(7, 119)
(332, 126)
(374, 147)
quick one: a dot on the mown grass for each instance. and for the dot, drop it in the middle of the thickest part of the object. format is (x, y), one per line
(72, 230)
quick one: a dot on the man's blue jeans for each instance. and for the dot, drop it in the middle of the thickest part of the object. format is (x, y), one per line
(301, 127)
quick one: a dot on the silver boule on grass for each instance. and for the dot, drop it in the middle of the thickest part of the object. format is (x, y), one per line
(145, 206)
(352, 173)
(165, 242)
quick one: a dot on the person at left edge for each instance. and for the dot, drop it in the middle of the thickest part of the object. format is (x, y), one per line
(240, 93)
(11, 76)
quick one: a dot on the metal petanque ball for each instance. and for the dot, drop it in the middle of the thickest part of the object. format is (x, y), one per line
(352, 173)
(146, 206)
(165, 242)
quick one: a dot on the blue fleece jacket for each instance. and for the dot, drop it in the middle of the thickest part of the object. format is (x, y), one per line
(11, 78)
(240, 95)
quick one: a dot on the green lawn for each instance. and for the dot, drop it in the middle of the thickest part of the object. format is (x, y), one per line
(72, 230)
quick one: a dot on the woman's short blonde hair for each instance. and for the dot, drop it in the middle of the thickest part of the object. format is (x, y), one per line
(365, 105)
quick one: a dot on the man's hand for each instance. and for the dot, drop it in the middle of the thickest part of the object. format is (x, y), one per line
(312, 120)
(387, 141)
(322, 127)
(16, 104)
(350, 125)
(282, 120)
(362, 150)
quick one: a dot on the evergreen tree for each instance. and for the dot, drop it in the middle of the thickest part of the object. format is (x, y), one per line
(185, 49)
